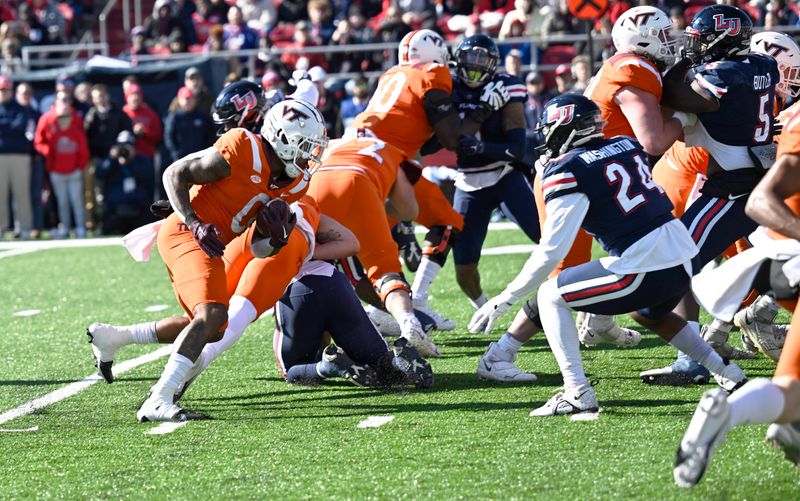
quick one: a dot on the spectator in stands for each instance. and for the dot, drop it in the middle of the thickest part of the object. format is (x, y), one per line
(82, 99)
(523, 50)
(419, 14)
(782, 13)
(187, 129)
(513, 63)
(66, 84)
(616, 8)
(176, 43)
(678, 23)
(103, 123)
(61, 140)
(292, 11)
(127, 184)
(193, 80)
(138, 45)
(302, 38)
(15, 160)
(146, 123)
(537, 96)
(10, 49)
(203, 19)
(522, 14)
(328, 104)
(563, 79)
(238, 36)
(24, 97)
(183, 11)
(559, 21)
(320, 16)
(29, 28)
(259, 15)
(271, 80)
(160, 25)
(392, 29)
(581, 71)
(491, 14)
(219, 8)
(52, 21)
(216, 39)
(349, 31)
(353, 105)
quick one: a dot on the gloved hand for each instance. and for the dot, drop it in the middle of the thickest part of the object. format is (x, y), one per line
(469, 145)
(489, 313)
(207, 237)
(495, 95)
(275, 220)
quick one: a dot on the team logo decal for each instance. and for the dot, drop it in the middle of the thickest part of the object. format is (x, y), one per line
(641, 19)
(560, 114)
(292, 114)
(774, 49)
(731, 25)
(248, 101)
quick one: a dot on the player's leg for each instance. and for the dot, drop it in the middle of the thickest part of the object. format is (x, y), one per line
(497, 362)
(476, 207)
(518, 197)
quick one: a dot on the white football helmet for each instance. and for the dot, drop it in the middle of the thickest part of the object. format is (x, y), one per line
(296, 131)
(422, 46)
(645, 30)
(787, 53)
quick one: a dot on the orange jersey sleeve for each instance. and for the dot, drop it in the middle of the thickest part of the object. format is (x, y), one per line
(395, 113)
(692, 159)
(370, 156)
(622, 70)
(788, 144)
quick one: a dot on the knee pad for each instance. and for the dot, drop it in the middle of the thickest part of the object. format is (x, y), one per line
(389, 283)
(531, 309)
(438, 242)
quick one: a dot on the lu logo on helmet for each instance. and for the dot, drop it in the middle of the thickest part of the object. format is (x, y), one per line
(731, 25)
(560, 114)
(247, 101)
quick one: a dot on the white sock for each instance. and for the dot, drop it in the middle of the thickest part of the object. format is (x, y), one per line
(688, 341)
(241, 313)
(174, 375)
(478, 301)
(509, 344)
(760, 401)
(426, 273)
(600, 323)
(143, 333)
(562, 335)
(721, 325)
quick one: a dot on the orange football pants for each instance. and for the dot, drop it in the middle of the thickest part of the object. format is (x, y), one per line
(789, 363)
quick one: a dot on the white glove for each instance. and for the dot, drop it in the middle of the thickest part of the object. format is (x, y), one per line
(495, 95)
(686, 119)
(489, 313)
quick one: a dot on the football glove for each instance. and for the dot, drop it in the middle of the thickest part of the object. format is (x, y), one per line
(207, 237)
(469, 145)
(489, 313)
(275, 220)
(495, 95)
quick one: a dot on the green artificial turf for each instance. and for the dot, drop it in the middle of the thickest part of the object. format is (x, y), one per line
(268, 440)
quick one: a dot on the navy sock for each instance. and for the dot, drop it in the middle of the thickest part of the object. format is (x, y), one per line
(303, 374)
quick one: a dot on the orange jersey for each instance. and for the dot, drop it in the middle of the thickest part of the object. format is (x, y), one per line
(370, 156)
(789, 144)
(395, 113)
(231, 203)
(691, 159)
(622, 70)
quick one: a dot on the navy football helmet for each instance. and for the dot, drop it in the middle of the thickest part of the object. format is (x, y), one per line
(718, 32)
(569, 121)
(240, 104)
(477, 58)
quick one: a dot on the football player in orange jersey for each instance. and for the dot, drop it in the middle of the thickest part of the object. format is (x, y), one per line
(775, 204)
(411, 104)
(216, 195)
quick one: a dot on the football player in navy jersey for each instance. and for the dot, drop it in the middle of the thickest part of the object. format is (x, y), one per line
(490, 165)
(604, 186)
(735, 89)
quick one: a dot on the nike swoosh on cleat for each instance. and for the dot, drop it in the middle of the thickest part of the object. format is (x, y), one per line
(508, 152)
(488, 368)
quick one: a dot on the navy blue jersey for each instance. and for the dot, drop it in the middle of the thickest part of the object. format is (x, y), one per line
(745, 88)
(625, 204)
(467, 99)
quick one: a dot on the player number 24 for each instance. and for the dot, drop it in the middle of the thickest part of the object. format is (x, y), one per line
(627, 200)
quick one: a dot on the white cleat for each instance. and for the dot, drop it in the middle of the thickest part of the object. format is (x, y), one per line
(718, 340)
(383, 321)
(412, 330)
(731, 378)
(705, 433)
(493, 368)
(569, 402)
(787, 438)
(101, 336)
(599, 329)
(756, 323)
(440, 323)
(156, 409)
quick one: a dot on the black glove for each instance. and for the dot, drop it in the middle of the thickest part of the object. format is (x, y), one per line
(275, 220)
(207, 236)
(412, 170)
(469, 146)
(161, 208)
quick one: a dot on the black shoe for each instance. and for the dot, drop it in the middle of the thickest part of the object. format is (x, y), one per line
(410, 251)
(408, 360)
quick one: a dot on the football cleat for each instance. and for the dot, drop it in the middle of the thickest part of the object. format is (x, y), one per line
(787, 438)
(104, 348)
(569, 402)
(439, 322)
(705, 433)
(599, 329)
(755, 322)
(199, 366)
(383, 321)
(683, 372)
(155, 409)
(493, 368)
(408, 361)
(718, 340)
(409, 248)
(731, 378)
(336, 362)
(418, 338)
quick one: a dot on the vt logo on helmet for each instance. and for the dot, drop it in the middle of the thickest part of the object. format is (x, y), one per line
(787, 53)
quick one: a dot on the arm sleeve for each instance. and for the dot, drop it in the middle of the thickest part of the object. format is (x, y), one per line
(564, 218)
(512, 150)
(711, 81)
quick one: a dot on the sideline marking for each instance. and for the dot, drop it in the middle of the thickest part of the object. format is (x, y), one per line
(21, 430)
(78, 386)
(164, 428)
(27, 313)
(585, 416)
(498, 226)
(508, 249)
(374, 421)
(156, 307)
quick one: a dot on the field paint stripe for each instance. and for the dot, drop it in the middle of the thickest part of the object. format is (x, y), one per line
(27, 313)
(585, 416)
(78, 386)
(375, 421)
(508, 249)
(498, 226)
(21, 430)
(165, 428)
(156, 307)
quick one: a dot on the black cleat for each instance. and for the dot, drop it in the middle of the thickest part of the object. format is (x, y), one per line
(410, 251)
(407, 360)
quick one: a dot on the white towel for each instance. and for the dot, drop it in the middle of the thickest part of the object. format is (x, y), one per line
(140, 241)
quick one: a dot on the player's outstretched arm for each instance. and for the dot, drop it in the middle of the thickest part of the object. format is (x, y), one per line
(402, 203)
(190, 170)
(685, 95)
(766, 204)
(643, 112)
(513, 119)
(334, 241)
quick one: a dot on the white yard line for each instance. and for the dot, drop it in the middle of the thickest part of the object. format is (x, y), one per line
(508, 249)
(27, 313)
(499, 226)
(375, 421)
(585, 416)
(153, 308)
(78, 386)
(165, 428)
(21, 430)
